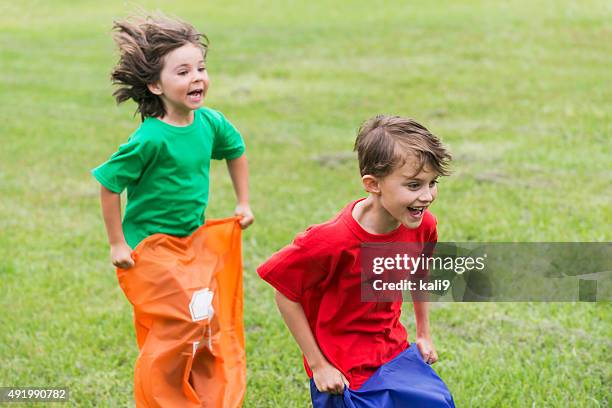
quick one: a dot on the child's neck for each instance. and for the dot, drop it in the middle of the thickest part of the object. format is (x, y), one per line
(176, 118)
(373, 217)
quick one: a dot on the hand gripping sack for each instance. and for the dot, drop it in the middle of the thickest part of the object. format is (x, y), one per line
(404, 382)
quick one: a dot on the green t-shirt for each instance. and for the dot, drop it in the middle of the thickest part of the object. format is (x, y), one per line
(166, 171)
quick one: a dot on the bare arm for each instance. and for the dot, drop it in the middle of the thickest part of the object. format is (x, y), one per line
(327, 378)
(424, 343)
(111, 212)
(239, 172)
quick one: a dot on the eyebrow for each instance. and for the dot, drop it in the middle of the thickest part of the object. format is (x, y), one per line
(412, 177)
(186, 64)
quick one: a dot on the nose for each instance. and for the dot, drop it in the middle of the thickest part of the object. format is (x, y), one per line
(427, 195)
(200, 76)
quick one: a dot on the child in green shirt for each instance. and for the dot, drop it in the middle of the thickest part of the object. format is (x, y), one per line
(185, 288)
(165, 163)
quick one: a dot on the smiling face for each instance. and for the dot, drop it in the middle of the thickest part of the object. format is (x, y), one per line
(183, 81)
(405, 193)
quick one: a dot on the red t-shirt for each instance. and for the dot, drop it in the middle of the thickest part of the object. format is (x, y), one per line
(321, 270)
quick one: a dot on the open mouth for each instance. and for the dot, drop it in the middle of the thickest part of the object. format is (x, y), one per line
(416, 211)
(197, 93)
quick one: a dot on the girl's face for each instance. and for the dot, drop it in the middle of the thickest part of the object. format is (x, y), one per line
(183, 81)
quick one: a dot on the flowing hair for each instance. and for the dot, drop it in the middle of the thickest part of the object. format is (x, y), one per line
(143, 43)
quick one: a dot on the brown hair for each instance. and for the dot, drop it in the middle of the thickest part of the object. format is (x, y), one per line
(143, 43)
(385, 142)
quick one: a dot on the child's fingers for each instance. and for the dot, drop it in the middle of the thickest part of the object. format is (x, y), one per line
(339, 389)
(330, 385)
(124, 263)
(325, 387)
(426, 354)
(433, 357)
(335, 387)
(340, 383)
(246, 221)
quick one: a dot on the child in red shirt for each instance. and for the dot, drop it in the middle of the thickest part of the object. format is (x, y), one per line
(318, 277)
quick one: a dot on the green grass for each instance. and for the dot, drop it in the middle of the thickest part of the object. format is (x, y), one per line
(520, 91)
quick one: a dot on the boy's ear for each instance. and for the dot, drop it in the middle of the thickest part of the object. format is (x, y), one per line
(370, 183)
(155, 88)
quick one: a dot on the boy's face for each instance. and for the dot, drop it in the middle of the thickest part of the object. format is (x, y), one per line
(183, 80)
(405, 193)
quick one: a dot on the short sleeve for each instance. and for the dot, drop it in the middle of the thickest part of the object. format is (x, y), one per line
(292, 271)
(228, 143)
(125, 165)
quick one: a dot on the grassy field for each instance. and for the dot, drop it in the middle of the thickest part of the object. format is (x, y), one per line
(520, 91)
